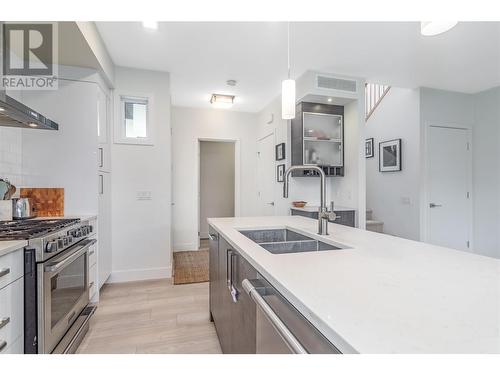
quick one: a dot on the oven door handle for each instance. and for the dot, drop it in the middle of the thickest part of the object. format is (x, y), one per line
(54, 267)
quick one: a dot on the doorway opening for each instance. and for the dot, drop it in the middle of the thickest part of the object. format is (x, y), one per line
(217, 175)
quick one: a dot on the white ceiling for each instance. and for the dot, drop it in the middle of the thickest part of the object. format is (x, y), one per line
(201, 57)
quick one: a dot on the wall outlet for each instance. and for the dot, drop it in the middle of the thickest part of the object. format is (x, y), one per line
(143, 196)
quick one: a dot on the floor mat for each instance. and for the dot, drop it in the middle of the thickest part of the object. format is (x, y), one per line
(190, 267)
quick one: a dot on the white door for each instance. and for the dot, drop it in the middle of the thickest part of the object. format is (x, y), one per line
(448, 205)
(266, 175)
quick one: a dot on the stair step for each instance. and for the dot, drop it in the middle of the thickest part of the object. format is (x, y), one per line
(375, 226)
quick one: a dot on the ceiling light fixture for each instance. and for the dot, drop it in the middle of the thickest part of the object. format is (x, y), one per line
(2, 109)
(222, 101)
(32, 125)
(288, 88)
(231, 82)
(153, 25)
(329, 100)
(431, 28)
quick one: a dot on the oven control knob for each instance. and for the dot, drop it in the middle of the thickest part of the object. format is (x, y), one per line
(51, 246)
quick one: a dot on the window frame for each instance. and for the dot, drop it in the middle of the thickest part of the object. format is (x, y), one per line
(119, 124)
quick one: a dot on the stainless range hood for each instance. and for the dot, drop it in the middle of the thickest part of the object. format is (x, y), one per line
(16, 114)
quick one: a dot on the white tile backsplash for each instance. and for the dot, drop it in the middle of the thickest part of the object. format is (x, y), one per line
(11, 145)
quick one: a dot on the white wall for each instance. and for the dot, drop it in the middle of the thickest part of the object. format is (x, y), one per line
(486, 172)
(217, 161)
(141, 228)
(188, 126)
(395, 197)
(66, 158)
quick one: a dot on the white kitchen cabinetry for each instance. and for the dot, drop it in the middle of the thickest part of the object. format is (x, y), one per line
(104, 227)
(11, 304)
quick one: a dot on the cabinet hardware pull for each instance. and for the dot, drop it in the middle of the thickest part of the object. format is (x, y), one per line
(274, 319)
(3, 344)
(4, 271)
(4, 322)
(101, 162)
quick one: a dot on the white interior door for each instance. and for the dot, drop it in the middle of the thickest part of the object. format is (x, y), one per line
(266, 175)
(448, 205)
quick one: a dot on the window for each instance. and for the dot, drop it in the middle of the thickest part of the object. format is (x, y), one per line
(134, 125)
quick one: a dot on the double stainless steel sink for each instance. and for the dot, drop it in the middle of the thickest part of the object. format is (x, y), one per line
(286, 241)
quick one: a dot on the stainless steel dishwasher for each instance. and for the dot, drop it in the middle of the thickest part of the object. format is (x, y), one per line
(281, 328)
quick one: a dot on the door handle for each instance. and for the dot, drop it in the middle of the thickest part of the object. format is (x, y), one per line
(271, 203)
(4, 271)
(433, 205)
(273, 318)
(4, 322)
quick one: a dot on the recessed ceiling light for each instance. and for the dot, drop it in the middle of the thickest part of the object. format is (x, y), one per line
(329, 100)
(32, 125)
(222, 101)
(231, 82)
(431, 28)
(153, 25)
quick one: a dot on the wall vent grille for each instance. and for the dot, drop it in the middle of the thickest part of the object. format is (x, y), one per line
(331, 83)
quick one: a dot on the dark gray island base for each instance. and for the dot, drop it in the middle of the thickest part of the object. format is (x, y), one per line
(250, 315)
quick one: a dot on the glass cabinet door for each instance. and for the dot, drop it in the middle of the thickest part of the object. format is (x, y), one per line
(322, 126)
(322, 139)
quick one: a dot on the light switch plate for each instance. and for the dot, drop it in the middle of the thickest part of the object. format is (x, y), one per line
(143, 196)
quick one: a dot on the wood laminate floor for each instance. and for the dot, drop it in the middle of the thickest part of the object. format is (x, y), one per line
(152, 316)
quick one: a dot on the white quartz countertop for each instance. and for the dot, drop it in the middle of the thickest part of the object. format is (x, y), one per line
(384, 294)
(316, 208)
(10, 246)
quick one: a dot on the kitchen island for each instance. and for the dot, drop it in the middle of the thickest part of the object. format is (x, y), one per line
(381, 294)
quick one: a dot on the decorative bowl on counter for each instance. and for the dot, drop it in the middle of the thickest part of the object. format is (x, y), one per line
(299, 204)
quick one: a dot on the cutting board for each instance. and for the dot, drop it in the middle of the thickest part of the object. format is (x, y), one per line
(46, 201)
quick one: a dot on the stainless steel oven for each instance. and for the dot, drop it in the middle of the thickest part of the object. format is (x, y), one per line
(62, 294)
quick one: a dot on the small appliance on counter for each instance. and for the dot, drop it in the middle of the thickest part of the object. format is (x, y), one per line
(7, 190)
(23, 208)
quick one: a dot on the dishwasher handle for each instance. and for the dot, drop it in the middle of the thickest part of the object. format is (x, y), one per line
(274, 319)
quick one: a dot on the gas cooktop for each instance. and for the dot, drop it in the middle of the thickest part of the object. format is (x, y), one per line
(33, 228)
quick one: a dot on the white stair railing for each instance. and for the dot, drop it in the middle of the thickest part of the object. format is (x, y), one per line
(374, 93)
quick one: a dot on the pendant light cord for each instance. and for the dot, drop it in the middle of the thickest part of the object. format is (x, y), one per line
(288, 47)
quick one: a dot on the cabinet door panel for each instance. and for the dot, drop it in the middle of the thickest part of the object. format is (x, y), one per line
(214, 274)
(224, 325)
(244, 310)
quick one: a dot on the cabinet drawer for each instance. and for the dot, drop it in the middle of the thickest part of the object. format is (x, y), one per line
(11, 312)
(16, 347)
(11, 267)
(92, 281)
(93, 255)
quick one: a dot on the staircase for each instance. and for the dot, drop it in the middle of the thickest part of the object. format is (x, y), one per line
(374, 93)
(373, 225)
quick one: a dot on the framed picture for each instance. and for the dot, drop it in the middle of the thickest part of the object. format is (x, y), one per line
(369, 148)
(389, 156)
(280, 175)
(280, 151)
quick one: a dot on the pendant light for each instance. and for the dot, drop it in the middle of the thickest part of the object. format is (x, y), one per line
(431, 28)
(288, 89)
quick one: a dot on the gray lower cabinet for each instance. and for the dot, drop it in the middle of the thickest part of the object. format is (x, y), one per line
(238, 321)
(343, 217)
(231, 309)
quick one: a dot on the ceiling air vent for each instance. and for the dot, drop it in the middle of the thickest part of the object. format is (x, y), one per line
(331, 83)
